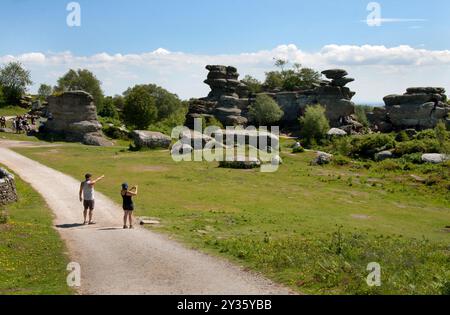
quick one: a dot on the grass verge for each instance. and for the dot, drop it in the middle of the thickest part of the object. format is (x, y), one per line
(32, 256)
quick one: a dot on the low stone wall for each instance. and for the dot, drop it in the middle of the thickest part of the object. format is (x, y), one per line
(8, 193)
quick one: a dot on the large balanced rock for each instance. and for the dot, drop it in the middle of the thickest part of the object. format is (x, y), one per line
(74, 118)
(419, 108)
(227, 100)
(150, 139)
(8, 191)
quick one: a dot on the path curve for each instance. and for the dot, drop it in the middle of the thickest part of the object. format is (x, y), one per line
(139, 261)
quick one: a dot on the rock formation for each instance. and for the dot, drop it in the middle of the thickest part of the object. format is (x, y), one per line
(226, 101)
(8, 191)
(229, 99)
(73, 116)
(419, 108)
(332, 94)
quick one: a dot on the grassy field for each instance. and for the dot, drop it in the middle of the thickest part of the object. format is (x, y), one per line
(312, 228)
(32, 256)
(12, 111)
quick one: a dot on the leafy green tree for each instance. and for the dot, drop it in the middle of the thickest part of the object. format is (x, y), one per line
(109, 109)
(2, 97)
(314, 124)
(45, 91)
(140, 108)
(274, 80)
(296, 78)
(14, 79)
(265, 111)
(253, 84)
(167, 103)
(84, 80)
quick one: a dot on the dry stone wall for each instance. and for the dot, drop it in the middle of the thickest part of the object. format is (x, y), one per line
(8, 193)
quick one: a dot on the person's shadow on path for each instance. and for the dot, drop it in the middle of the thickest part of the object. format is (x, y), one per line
(69, 226)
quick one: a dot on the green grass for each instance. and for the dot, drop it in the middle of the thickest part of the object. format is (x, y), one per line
(12, 110)
(312, 228)
(32, 256)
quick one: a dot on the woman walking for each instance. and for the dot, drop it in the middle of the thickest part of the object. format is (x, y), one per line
(128, 206)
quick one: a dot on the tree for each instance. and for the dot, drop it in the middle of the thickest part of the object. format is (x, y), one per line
(274, 80)
(83, 80)
(45, 91)
(109, 109)
(14, 79)
(264, 111)
(314, 124)
(140, 108)
(253, 84)
(296, 78)
(167, 103)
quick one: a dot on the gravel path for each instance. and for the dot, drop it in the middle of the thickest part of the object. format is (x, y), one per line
(139, 261)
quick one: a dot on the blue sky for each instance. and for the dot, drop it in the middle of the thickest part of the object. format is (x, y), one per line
(214, 28)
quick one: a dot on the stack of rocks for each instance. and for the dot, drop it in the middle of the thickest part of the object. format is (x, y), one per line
(8, 191)
(332, 94)
(73, 116)
(226, 101)
(419, 108)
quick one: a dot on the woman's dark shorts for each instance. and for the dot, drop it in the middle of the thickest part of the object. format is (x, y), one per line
(89, 204)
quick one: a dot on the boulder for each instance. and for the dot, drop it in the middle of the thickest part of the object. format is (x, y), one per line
(336, 132)
(383, 155)
(8, 192)
(6, 130)
(96, 139)
(435, 158)
(241, 162)
(322, 158)
(150, 139)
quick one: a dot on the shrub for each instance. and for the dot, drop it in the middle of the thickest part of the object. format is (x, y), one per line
(253, 84)
(367, 145)
(341, 160)
(314, 124)
(402, 136)
(299, 149)
(416, 146)
(140, 109)
(361, 114)
(442, 137)
(426, 134)
(265, 111)
(415, 158)
(389, 165)
(342, 145)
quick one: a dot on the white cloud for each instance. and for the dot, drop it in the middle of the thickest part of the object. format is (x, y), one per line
(378, 70)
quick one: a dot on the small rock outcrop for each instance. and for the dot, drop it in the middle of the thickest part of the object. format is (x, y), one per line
(419, 108)
(150, 139)
(226, 101)
(8, 193)
(73, 116)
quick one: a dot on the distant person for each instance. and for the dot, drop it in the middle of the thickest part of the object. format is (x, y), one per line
(3, 122)
(87, 196)
(128, 206)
